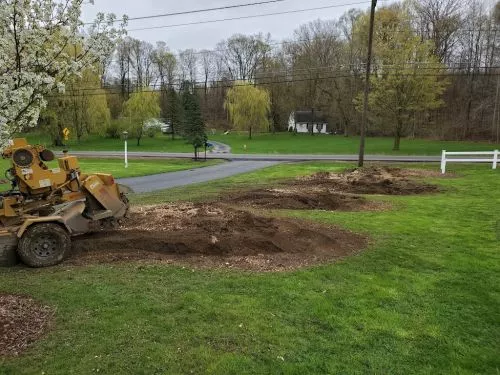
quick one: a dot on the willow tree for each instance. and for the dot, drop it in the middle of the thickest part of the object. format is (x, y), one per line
(141, 107)
(248, 107)
(84, 106)
(83, 109)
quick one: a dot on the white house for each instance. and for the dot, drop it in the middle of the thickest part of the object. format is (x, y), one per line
(301, 122)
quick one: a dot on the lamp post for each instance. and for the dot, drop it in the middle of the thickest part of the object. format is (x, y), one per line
(125, 137)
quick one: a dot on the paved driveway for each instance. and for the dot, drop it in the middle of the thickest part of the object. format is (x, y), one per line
(148, 184)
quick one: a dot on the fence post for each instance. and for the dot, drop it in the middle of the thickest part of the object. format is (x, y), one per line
(495, 159)
(443, 162)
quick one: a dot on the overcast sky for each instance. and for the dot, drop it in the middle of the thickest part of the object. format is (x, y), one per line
(206, 36)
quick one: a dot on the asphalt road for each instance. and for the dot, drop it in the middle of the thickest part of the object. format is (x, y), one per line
(258, 157)
(219, 148)
(148, 184)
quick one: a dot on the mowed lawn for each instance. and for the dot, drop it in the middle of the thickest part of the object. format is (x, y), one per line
(279, 143)
(424, 298)
(160, 143)
(116, 167)
(288, 143)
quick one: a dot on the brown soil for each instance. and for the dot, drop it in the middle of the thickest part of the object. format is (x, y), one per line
(301, 199)
(372, 180)
(22, 321)
(204, 235)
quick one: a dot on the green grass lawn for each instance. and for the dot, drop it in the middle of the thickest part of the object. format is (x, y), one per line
(161, 143)
(279, 143)
(287, 143)
(136, 168)
(423, 299)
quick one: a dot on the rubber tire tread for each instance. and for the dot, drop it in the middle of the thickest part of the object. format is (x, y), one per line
(30, 259)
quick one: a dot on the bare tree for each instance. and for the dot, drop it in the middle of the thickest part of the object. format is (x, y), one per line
(439, 21)
(346, 88)
(123, 62)
(242, 55)
(165, 64)
(208, 65)
(188, 68)
(316, 57)
(142, 62)
(273, 75)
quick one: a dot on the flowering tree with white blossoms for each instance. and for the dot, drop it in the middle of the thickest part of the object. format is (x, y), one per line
(36, 37)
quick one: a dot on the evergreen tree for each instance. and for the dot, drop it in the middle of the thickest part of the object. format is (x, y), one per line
(193, 125)
(172, 110)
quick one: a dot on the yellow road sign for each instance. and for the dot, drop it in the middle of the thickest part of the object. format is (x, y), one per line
(66, 133)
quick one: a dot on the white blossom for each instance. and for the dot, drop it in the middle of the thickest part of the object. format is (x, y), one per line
(38, 40)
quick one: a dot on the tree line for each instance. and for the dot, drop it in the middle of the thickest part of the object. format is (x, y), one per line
(435, 74)
(435, 71)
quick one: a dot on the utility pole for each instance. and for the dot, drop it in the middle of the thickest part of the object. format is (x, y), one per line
(495, 111)
(364, 116)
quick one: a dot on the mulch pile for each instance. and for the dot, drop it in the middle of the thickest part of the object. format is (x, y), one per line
(298, 199)
(223, 234)
(22, 321)
(216, 236)
(336, 191)
(372, 180)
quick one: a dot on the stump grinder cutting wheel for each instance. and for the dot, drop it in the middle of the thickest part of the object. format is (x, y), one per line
(47, 206)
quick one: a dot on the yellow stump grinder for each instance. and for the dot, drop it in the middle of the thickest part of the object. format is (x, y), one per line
(47, 206)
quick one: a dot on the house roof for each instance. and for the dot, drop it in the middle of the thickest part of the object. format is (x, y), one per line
(310, 117)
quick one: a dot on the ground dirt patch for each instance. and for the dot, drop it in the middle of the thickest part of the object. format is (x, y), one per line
(204, 235)
(298, 198)
(371, 180)
(22, 321)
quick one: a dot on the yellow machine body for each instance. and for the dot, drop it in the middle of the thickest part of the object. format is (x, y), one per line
(66, 181)
(61, 194)
(33, 175)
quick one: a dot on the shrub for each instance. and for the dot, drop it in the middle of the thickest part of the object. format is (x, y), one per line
(151, 131)
(114, 130)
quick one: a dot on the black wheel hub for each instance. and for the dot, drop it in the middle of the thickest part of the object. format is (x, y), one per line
(45, 246)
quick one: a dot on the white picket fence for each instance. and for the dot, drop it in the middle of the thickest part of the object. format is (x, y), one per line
(478, 157)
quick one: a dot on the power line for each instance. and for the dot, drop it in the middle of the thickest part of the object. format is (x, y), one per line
(199, 83)
(304, 71)
(380, 69)
(259, 15)
(194, 11)
(247, 17)
(313, 40)
(214, 51)
(384, 67)
(233, 83)
(205, 10)
(275, 44)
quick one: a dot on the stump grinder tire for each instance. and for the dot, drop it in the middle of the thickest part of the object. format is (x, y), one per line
(8, 254)
(44, 245)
